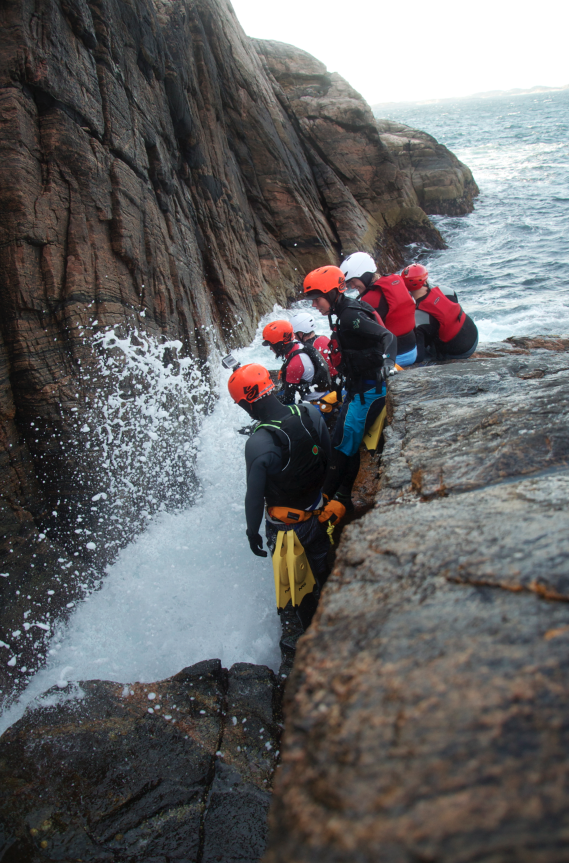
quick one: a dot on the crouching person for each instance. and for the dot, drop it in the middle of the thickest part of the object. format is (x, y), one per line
(286, 458)
(443, 329)
(366, 354)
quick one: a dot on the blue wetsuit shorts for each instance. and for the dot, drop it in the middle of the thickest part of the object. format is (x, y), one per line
(356, 418)
(406, 359)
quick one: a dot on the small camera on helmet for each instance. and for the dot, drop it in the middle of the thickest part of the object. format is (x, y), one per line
(229, 362)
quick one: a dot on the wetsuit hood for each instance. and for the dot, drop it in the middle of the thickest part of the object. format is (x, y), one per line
(269, 408)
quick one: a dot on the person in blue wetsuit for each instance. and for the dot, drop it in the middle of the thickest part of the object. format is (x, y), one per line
(366, 351)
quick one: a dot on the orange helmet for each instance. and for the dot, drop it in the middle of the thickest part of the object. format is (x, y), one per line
(250, 383)
(415, 276)
(277, 332)
(324, 280)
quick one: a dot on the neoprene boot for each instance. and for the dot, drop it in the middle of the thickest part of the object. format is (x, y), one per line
(305, 611)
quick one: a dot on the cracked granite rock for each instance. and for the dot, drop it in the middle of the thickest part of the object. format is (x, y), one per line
(178, 770)
(427, 713)
(442, 183)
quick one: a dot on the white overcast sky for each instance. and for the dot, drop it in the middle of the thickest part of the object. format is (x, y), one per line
(414, 50)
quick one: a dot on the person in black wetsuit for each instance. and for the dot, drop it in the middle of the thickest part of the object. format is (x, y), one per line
(443, 330)
(286, 458)
(389, 297)
(366, 352)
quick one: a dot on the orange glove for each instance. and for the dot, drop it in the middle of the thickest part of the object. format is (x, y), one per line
(333, 511)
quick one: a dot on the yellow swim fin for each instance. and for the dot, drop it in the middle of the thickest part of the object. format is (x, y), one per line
(371, 437)
(300, 575)
(280, 569)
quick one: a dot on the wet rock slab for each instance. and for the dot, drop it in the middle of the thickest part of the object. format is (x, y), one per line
(426, 717)
(168, 771)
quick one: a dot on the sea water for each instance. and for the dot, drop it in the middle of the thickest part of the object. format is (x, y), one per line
(189, 588)
(509, 259)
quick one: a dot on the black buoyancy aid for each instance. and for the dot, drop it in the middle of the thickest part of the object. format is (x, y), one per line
(354, 364)
(321, 379)
(304, 461)
(400, 319)
(449, 315)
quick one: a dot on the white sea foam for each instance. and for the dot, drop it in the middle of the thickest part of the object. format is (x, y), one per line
(188, 588)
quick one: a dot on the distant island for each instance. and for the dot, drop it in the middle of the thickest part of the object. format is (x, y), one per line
(488, 94)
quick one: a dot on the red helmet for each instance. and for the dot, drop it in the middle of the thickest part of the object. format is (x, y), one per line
(277, 332)
(250, 383)
(415, 276)
(324, 280)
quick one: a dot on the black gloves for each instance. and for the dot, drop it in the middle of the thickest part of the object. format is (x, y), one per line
(387, 369)
(256, 544)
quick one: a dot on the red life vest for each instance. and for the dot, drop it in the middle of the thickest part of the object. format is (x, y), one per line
(322, 344)
(449, 315)
(400, 319)
(335, 350)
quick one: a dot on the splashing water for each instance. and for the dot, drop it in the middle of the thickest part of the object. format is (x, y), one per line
(134, 444)
(188, 588)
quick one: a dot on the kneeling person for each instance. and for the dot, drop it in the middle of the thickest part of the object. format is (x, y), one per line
(389, 297)
(443, 330)
(286, 458)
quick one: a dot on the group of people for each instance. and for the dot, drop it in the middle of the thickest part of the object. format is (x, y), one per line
(300, 472)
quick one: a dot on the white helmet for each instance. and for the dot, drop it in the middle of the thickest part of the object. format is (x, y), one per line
(302, 322)
(357, 265)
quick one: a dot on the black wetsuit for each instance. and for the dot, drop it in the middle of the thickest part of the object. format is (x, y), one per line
(263, 457)
(359, 335)
(264, 460)
(362, 341)
(430, 346)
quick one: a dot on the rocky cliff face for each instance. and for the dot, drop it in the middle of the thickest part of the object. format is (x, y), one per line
(371, 202)
(443, 184)
(158, 172)
(426, 717)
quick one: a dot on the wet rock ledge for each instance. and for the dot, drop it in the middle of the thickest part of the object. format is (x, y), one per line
(426, 717)
(178, 770)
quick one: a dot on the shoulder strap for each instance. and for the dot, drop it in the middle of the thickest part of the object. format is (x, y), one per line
(289, 358)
